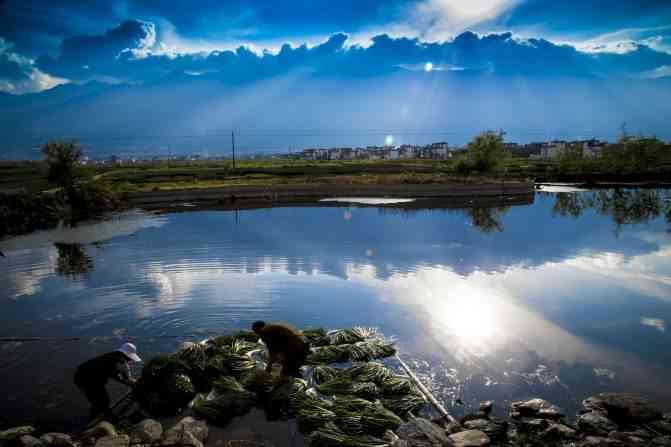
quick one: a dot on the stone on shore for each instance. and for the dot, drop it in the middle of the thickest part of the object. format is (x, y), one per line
(180, 438)
(146, 432)
(495, 429)
(15, 433)
(197, 427)
(30, 441)
(623, 409)
(422, 432)
(113, 441)
(57, 440)
(99, 430)
(469, 438)
(596, 424)
(536, 408)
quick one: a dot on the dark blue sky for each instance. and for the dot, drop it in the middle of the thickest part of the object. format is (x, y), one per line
(45, 42)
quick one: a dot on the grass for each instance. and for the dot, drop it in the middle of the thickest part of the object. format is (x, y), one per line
(170, 175)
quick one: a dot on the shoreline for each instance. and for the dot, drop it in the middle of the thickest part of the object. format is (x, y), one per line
(244, 195)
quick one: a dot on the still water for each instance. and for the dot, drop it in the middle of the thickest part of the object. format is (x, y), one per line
(561, 297)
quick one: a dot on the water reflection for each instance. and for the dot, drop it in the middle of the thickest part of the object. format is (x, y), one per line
(73, 260)
(623, 206)
(502, 301)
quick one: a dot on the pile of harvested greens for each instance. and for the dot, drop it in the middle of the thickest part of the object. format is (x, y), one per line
(344, 398)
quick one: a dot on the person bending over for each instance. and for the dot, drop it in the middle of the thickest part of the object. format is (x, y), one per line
(91, 376)
(285, 345)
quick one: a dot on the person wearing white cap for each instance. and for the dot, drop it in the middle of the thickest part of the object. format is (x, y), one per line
(91, 376)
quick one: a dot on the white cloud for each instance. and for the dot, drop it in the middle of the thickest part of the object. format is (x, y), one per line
(33, 80)
(627, 40)
(660, 72)
(442, 19)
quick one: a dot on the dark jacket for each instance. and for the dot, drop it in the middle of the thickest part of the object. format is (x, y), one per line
(96, 372)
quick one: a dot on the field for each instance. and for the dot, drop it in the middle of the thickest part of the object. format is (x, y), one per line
(169, 175)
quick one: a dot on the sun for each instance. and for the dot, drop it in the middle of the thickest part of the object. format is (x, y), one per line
(428, 67)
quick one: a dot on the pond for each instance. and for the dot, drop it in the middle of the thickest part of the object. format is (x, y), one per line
(561, 297)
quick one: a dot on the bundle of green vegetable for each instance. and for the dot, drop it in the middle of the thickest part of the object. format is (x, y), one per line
(330, 435)
(227, 400)
(361, 351)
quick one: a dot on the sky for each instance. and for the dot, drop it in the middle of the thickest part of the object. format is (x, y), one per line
(145, 43)
(46, 42)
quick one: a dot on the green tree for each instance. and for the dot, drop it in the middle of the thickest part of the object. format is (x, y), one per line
(487, 151)
(62, 158)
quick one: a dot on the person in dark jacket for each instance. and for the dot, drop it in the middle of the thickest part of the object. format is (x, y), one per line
(91, 376)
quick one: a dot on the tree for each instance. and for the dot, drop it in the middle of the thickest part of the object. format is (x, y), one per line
(62, 158)
(487, 151)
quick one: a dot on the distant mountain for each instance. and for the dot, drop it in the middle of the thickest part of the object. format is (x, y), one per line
(185, 113)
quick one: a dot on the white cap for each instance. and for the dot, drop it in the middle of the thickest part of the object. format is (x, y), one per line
(130, 351)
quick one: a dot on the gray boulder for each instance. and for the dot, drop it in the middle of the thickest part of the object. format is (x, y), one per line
(30, 441)
(535, 408)
(15, 433)
(596, 424)
(469, 438)
(180, 438)
(623, 409)
(559, 432)
(197, 427)
(146, 432)
(113, 441)
(495, 429)
(57, 440)
(627, 438)
(99, 430)
(422, 432)
(595, 441)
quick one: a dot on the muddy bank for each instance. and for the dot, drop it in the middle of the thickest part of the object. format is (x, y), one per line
(284, 193)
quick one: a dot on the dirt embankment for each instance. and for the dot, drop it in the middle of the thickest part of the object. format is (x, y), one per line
(242, 194)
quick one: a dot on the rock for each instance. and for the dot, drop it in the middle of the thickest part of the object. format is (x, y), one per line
(454, 427)
(594, 441)
(57, 440)
(469, 438)
(146, 432)
(247, 443)
(537, 408)
(390, 436)
(595, 423)
(113, 441)
(197, 427)
(420, 431)
(474, 416)
(559, 431)
(662, 441)
(628, 439)
(180, 438)
(99, 430)
(495, 429)
(16, 432)
(531, 425)
(623, 409)
(662, 427)
(30, 441)
(486, 406)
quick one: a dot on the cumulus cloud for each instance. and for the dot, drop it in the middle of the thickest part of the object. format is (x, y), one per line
(82, 56)
(135, 51)
(19, 75)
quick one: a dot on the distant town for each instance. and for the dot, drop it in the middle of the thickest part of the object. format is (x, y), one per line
(434, 151)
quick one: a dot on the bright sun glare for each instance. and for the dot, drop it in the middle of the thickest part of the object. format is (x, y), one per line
(428, 67)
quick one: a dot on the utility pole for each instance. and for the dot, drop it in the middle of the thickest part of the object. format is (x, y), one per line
(233, 146)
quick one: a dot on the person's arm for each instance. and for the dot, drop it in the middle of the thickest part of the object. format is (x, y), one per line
(122, 374)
